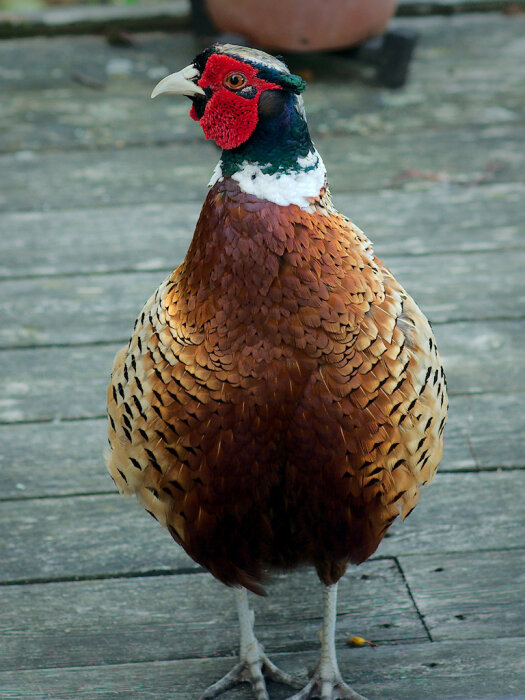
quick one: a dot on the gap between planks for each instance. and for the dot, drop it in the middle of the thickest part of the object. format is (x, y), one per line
(455, 252)
(88, 494)
(419, 671)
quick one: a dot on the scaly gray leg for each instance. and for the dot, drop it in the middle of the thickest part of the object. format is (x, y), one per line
(326, 682)
(253, 664)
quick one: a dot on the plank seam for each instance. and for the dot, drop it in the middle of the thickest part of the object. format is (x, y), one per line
(124, 341)
(411, 596)
(471, 448)
(148, 573)
(161, 143)
(168, 270)
(433, 553)
(481, 469)
(118, 341)
(71, 344)
(99, 416)
(516, 186)
(152, 573)
(452, 644)
(114, 492)
(48, 496)
(55, 420)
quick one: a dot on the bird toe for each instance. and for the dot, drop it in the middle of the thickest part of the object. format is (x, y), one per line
(318, 689)
(253, 673)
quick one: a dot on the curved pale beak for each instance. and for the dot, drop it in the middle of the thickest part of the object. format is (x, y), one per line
(180, 83)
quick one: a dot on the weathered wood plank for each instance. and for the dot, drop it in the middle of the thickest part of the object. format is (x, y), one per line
(461, 513)
(457, 451)
(107, 535)
(497, 430)
(86, 179)
(168, 617)
(70, 382)
(83, 536)
(101, 240)
(55, 383)
(464, 286)
(472, 595)
(56, 459)
(438, 220)
(486, 432)
(83, 309)
(472, 670)
(470, 84)
(42, 459)
(482, 356)
(60, 58)
(32, 181)
(81, 19)
(153, 236)
(450, 7)
(102, 308)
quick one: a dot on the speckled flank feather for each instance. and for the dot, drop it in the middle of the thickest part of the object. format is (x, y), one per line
(281, 399)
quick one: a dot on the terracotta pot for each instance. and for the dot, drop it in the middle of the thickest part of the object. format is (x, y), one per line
(302, 25)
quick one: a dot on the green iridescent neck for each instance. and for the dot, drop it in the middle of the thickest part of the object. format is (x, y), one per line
(277, 144)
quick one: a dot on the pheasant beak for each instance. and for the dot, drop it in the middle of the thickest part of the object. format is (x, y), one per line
(180, 83)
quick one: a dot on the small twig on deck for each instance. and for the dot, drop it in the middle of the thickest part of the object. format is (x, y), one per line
(122, 38)
(453, 179)
(87, 80)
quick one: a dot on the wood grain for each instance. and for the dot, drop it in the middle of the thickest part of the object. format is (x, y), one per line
(31, 181)
(488, 593)
(111, 239)
(105, 535)
(102, 308)
(483, 432)
(190, 615)
(444, 670)
(41, 380)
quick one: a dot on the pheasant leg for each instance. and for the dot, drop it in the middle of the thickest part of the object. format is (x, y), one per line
(254, 665)
(326, 682)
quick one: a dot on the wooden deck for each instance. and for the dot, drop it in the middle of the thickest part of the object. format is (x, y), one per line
(99, 192)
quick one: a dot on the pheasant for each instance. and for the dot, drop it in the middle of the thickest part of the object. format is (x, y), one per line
(281, 399)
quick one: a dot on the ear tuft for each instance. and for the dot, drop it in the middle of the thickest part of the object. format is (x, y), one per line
(294, 83)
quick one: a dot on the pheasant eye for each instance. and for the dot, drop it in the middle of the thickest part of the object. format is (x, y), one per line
(235, 81)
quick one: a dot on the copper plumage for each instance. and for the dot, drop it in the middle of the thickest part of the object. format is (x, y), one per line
(281, 399)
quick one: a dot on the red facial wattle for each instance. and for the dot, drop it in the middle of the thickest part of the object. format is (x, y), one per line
(229, 118)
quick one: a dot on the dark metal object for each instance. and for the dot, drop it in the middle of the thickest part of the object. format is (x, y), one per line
(202, 23)
(391, 54)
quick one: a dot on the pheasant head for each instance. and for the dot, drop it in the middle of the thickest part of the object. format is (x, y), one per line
(250, 104)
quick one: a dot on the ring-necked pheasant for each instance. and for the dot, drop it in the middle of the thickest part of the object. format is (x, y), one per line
(281, 399)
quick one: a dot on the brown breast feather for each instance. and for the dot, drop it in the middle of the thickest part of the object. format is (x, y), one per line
(281, 399)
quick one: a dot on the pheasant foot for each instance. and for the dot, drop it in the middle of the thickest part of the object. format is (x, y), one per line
(253, 664)
(335, 689)
(253, 672)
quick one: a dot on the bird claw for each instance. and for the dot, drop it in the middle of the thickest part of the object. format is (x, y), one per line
(327, 690)
(252, 673)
